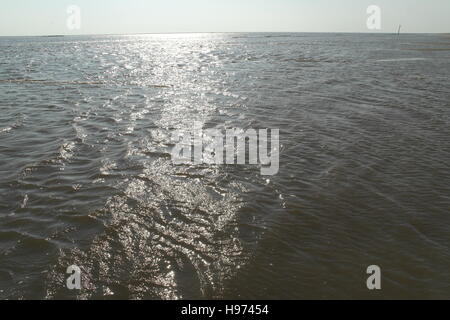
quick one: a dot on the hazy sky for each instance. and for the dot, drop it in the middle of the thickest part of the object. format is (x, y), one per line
(39, 17)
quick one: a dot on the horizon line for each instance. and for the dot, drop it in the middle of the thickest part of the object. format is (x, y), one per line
(214, 32)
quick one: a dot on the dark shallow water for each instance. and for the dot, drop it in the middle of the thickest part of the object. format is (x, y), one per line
(86, 176)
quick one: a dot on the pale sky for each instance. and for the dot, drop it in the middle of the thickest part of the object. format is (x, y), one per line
(44, 17)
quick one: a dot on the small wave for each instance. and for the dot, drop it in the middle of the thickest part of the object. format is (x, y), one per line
(17, 124)
(49, 81)
(7, 129)
(66, 82)
(401, 59)
(66, 151)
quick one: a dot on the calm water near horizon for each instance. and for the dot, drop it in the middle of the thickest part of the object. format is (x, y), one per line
(86, 176)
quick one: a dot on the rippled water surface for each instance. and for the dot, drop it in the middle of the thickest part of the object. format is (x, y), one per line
(87, 178)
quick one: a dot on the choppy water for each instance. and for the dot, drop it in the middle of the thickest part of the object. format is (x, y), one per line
(86, 175)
